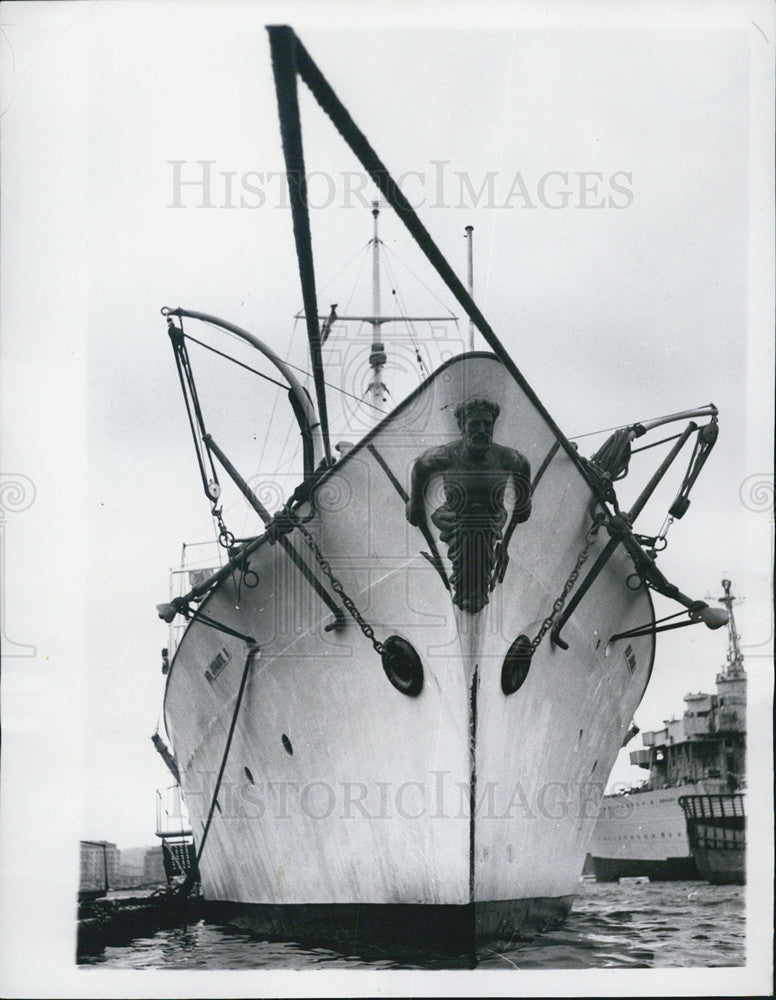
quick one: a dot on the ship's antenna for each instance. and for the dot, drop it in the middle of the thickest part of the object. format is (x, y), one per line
(376, 390)
(470, 279)
(735, 658)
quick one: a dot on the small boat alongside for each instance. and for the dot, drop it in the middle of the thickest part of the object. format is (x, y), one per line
(716, 830)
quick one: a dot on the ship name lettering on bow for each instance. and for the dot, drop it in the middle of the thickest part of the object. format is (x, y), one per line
(217, 664)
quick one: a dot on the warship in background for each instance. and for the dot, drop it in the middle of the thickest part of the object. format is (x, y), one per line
(687, 821)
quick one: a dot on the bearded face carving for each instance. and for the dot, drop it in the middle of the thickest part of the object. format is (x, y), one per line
(472, 521)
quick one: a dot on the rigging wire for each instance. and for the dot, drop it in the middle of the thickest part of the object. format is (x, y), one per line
(346, 266)
(228, 357)
(335, 387)
(409, 324)
(276, 397)
(619, 427)
(271, 419)
(294, 455)
(302, 371)
(289, 431)
(393, 253)
(654, 444)
(365, 254)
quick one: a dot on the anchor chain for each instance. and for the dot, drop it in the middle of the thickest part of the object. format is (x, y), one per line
(287, 520)
(287, 516)
(557, 607)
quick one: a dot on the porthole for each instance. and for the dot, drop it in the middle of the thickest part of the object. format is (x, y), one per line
(287, 745)
(248, 775)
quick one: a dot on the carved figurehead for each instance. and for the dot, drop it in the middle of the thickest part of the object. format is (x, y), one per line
(472, 520)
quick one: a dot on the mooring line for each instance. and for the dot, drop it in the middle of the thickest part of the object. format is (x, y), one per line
(253, 650)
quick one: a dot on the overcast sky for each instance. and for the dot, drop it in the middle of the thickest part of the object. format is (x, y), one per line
(617, 176)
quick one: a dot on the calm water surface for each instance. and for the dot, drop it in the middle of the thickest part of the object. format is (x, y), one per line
(656, 925)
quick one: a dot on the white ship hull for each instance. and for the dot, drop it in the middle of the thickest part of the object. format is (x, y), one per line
(644, 833)
(340, 791)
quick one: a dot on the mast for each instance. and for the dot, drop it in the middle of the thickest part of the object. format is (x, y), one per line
(376, 390)
(735, 658)
(470, 279)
